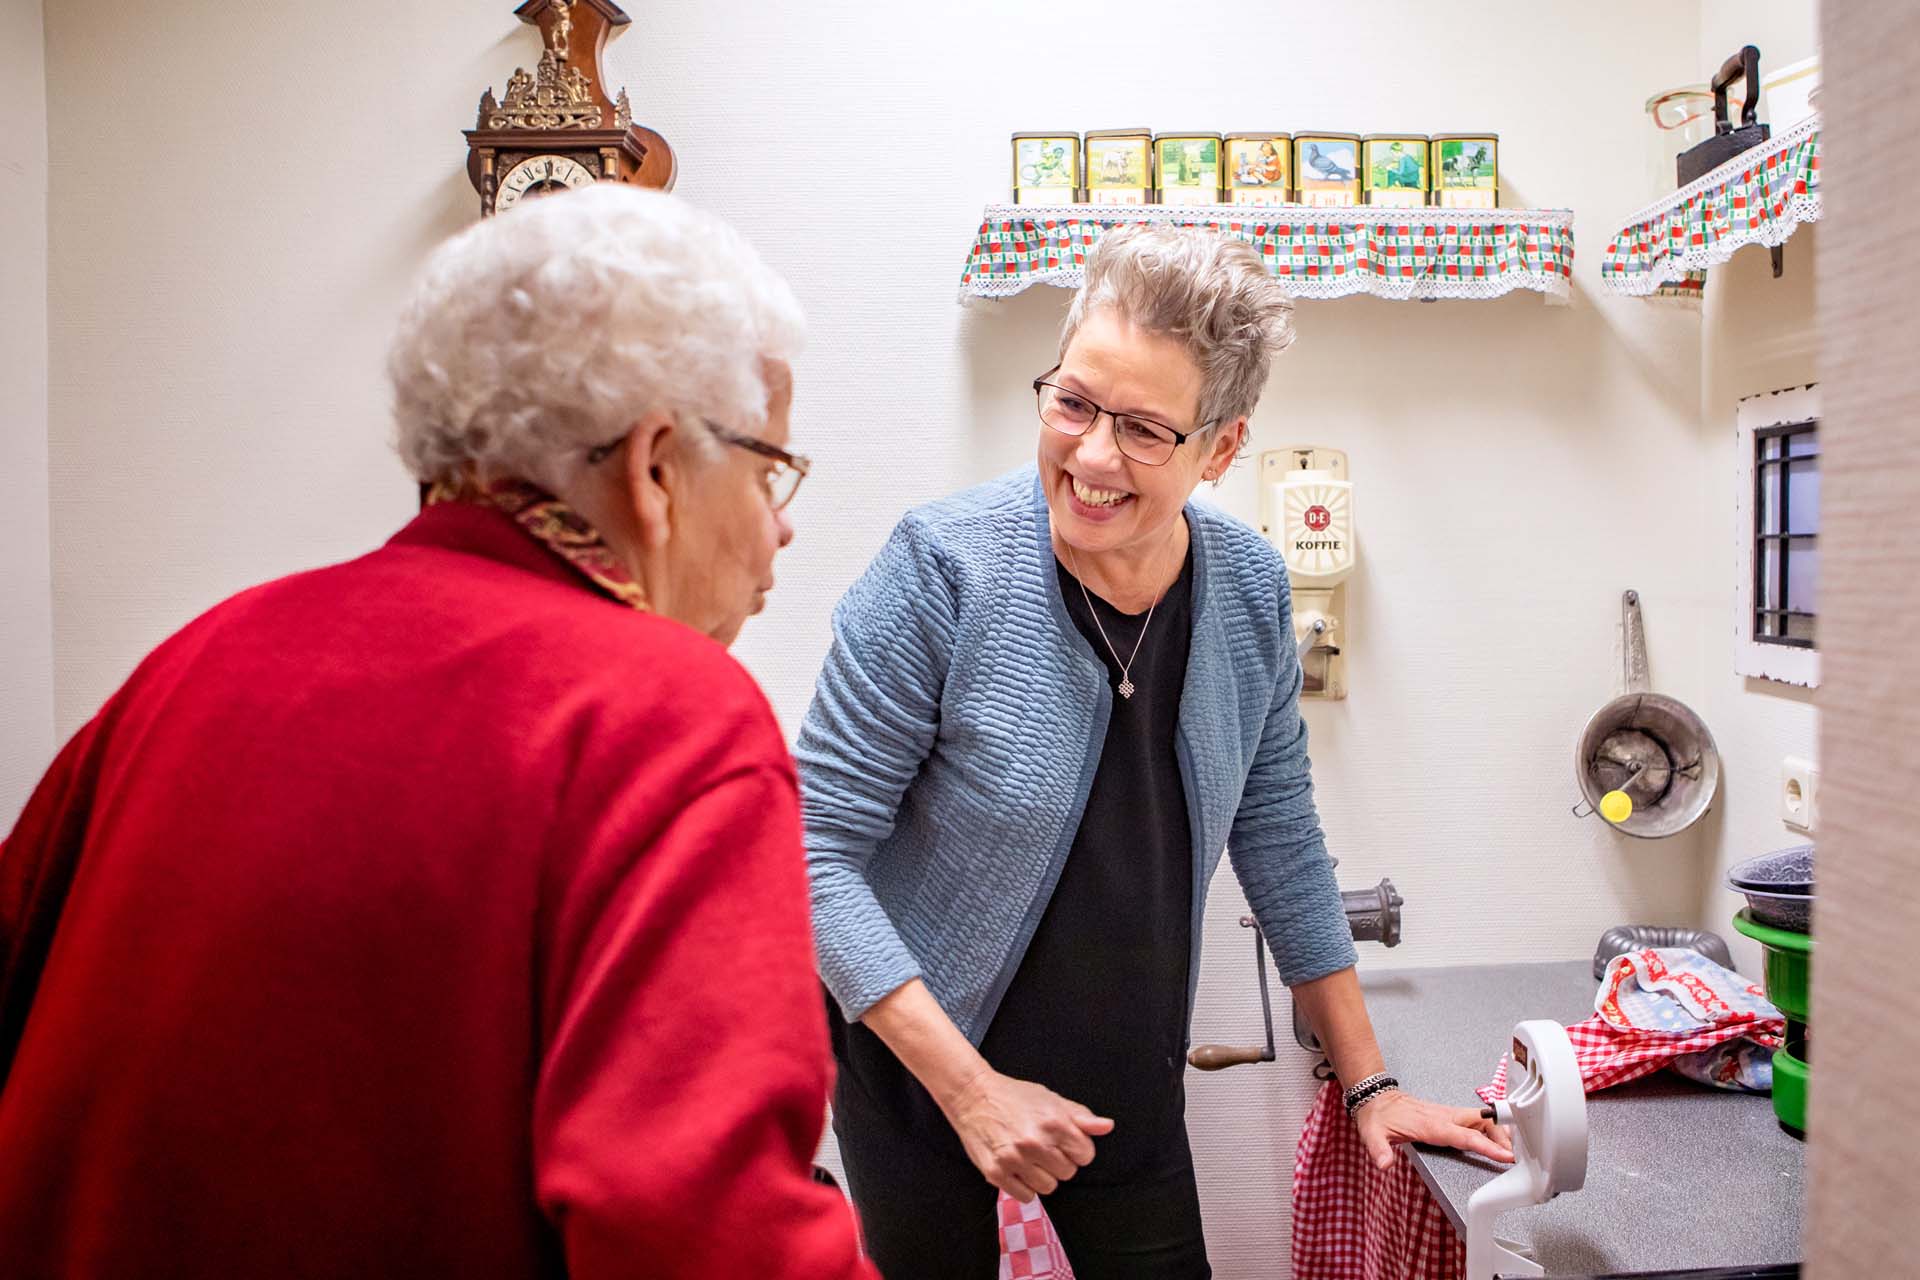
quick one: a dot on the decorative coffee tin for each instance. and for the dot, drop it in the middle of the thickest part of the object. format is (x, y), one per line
(1046, 168)
(1259, 168)
(1186, 167)
(1465, 169)
(1326, 168)
(1118, 166)
(1393, 169)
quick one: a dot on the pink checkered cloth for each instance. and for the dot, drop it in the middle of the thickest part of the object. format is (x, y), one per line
(1029, 1246)
(1355, 1221)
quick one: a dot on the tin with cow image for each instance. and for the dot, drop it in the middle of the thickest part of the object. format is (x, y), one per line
(1465, 169)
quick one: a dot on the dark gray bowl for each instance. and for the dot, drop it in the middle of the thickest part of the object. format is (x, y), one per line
(1778, 887)
(1790, 911)
(1787, 870)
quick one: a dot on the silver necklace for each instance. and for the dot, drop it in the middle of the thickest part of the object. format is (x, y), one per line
(1126, 683)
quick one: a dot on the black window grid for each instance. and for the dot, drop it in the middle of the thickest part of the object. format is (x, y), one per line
(1775, 619)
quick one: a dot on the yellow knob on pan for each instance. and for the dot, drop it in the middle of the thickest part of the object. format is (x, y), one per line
(1616, 807)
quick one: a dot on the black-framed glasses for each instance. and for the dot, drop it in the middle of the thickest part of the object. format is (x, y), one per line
(783, 479)
(1142, 439)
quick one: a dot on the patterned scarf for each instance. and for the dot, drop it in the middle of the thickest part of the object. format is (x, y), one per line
(554, 525)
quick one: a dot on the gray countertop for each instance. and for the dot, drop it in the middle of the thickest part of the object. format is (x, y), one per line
(1678, 1175)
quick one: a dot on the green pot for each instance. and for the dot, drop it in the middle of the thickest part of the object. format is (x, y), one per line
(1788, 960)
(1790, 1090)
(1789, 965)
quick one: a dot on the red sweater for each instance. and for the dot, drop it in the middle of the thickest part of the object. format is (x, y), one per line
(425, 915)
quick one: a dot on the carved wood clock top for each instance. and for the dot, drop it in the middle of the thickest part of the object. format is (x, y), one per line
(556, 126)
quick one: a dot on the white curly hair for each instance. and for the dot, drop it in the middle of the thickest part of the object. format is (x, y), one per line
(1208, 291)
(541, 333)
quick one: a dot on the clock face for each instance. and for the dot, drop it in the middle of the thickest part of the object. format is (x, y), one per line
(539, 175)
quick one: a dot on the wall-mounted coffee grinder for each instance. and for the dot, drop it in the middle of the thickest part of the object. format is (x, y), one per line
(1306, 512)
(1372, 914)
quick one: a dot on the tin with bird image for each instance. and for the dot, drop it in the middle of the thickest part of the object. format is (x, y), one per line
(1326, 168)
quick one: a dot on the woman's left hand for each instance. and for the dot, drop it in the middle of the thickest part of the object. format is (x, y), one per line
(1398, 1117)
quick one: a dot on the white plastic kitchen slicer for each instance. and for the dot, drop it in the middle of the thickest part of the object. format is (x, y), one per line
(1545, 1111)
(1306, 512)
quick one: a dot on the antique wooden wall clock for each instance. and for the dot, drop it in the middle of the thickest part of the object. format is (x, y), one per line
(556, 128)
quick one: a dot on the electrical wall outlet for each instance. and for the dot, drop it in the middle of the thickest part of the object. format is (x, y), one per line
(1799, 793)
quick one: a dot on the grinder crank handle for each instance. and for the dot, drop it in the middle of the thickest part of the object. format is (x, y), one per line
(1216, 1057)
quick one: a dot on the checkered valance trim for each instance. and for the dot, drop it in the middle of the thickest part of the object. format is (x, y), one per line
(1319, 253)
(1758, 197)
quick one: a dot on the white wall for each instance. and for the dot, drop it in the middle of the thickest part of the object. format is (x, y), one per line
(26, 625)
(223, 292)
(1785, 31)
(217, 413)
(1758, 334)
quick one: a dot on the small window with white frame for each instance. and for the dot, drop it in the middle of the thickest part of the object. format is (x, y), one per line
(1778, 566)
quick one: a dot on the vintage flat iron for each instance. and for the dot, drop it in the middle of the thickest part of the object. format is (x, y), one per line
(1545, 1111)
(1727, 141)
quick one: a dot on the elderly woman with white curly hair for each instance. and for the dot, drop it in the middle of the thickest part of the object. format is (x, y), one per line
(444, 912)
(1050, 704)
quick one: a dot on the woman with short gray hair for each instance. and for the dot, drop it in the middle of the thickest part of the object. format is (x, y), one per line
(1050, 704)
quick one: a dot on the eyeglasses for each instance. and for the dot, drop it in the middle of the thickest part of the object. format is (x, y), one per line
(782, 479)
(788, 470)
(1142, 439)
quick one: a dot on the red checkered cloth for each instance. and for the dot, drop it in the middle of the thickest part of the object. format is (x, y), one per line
(1611, 1049)
(1029, 1246)
(1355, 1221)
(1609, 1056)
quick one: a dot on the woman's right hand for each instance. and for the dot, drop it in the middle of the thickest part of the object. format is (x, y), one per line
(1025, 1138)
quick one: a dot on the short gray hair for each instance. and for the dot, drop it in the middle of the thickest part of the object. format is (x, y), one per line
(1206, 290)
(549, 329)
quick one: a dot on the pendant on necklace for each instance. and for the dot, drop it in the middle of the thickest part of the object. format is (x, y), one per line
(1126, 687)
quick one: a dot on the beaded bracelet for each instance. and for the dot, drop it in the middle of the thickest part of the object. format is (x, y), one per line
(1369, 1089)
(1368, 1083)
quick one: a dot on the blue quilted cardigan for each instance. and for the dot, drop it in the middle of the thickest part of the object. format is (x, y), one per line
(955, 730)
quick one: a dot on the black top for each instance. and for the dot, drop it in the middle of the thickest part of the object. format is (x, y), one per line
(1097, 1011)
